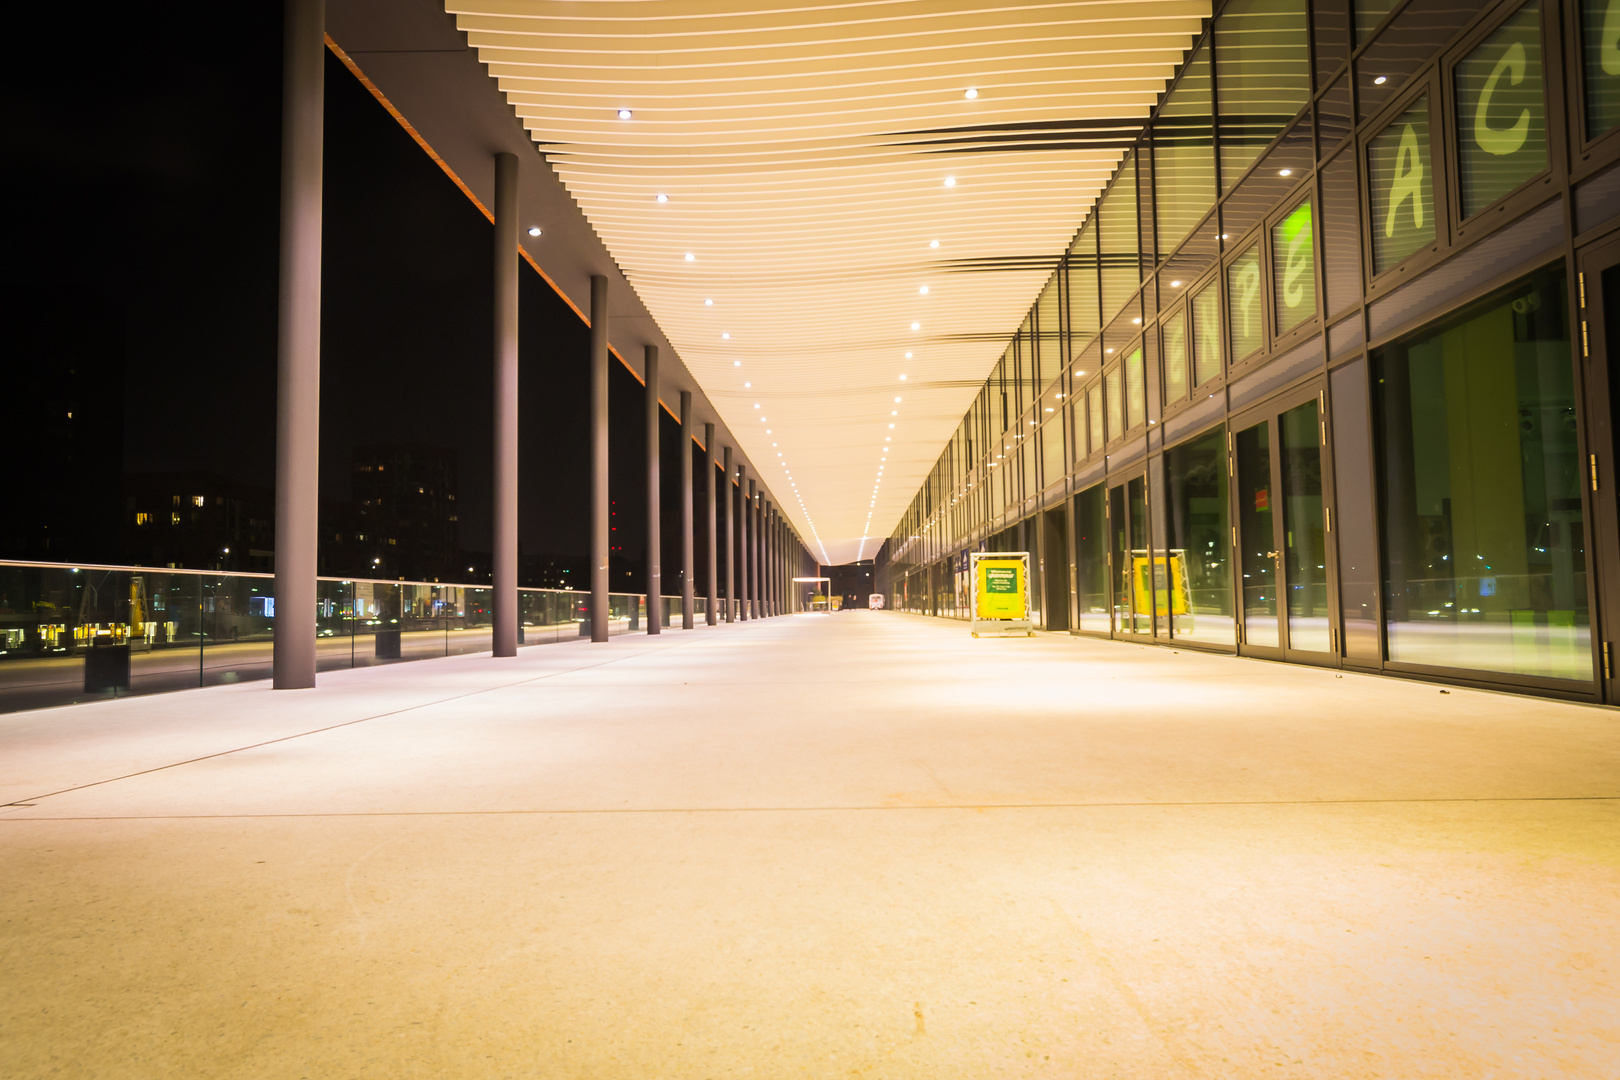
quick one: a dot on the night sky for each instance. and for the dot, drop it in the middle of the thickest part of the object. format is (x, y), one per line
(148, 176)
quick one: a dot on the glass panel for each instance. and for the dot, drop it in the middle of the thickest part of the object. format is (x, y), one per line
(1173, 333)
(1600, 47)
(1398, 171)
(1341, 233)
(1184, 155)
(1334, 120)
(1116, 417)
(1293, 263)
(1255, 535)
(1206, 315)
(1330, 31)
(1405, 46)
(1052, 452)
(1085, 318)
(1049, 331)
(1116, 218)
(1262, 77)
(1304, 543)
(1356, 518)
(1094, 410)
(1501, 122)
(1486, 564)
(1135, 390)
(1091, 552)
(1243, 286)
(1200, 569)
(1369, 13)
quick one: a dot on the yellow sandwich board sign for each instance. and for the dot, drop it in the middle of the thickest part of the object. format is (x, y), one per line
(1000, 591)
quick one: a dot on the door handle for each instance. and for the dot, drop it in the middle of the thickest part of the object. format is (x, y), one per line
(1273, 554)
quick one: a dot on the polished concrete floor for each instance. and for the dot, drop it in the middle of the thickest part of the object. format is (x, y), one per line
(863, 845)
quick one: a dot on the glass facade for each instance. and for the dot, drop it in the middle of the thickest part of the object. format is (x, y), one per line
(1308, 419)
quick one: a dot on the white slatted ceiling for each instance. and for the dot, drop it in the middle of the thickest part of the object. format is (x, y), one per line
(779, 136)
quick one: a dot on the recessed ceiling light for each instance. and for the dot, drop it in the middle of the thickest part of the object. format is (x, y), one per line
(534, 230)
(1136, 322)
(1285, 172)
(736, 363)
(661, 197)
(690, 257)
(748, 386)
(708, 303)
(1108, 350)
(896, 399)
(903, 378)
(1381, 80)
(1175, 284)
(725, 337)
(916, 326)
(933, 243)
(1225, 236)
(950, 181)
(923, 291)
(896, 412)
(971, 93)
(624, 114)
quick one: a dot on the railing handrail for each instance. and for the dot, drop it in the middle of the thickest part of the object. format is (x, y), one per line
(271, 577)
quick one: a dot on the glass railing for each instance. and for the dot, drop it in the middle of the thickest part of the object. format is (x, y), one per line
(80, 633)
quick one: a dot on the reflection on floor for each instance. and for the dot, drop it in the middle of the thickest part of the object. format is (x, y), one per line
(861, 845)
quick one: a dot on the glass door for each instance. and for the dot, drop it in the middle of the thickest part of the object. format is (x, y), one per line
(1281, 532)
(1130, 558)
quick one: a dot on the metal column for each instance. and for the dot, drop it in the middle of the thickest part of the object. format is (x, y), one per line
(712, 616)
(655, 531)
(767, 540)
(686, 511)
(298, 346)
(744, 559)
(503, 564)
(731, 544)
(599, 458)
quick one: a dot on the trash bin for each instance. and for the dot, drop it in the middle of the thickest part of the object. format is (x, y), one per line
(388, 644)
(106, 667)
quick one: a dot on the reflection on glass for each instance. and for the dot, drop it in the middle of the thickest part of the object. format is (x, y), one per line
(1184, 154)
(1262, 77)
(1198, 571)
(1341, 233)
(1369, 13)
(1304, 543)
(1600, 48)
(1256, 536)
(1135, 390)
(1243, 287)
(1116, 417)
(1091, 552)
(1486, 564)
(1132, 578)
(1094, 410)
(1206, 315)
(1294, 268)
(1173, 337)
(1501, 122)
(1116, 217)
(1398, 174)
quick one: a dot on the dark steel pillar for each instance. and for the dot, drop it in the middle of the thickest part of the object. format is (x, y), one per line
(298, 344)
(599, 458)
(712, 615)
(746, 507)
(503, 564)
(768, 574)
(655, 532)
(687, 598)
(731, 544)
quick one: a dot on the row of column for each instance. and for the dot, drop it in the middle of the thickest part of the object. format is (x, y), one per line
(764, 540)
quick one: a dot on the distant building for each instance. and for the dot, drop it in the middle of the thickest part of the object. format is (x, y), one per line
(403, 522)
(198, 521)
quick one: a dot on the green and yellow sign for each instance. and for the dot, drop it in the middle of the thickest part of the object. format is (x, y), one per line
(999, 590)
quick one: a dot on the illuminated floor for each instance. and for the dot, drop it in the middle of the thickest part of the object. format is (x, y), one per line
(860, 845)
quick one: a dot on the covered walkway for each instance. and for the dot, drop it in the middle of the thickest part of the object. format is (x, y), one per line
(857, 845)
